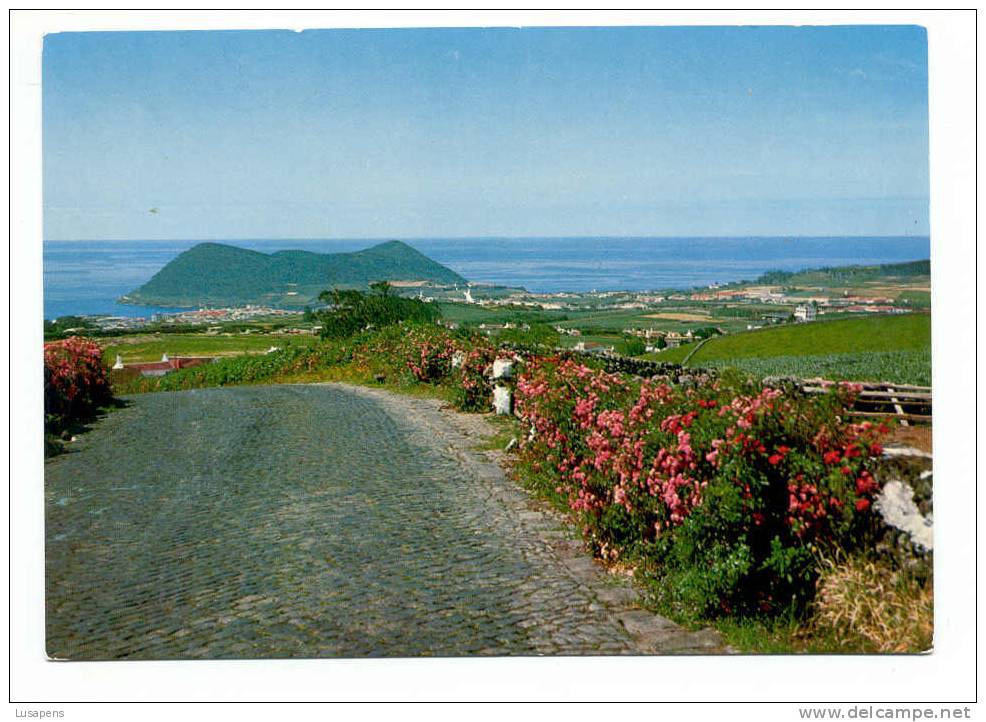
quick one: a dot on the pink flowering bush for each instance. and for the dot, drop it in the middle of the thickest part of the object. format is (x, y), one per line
(429, 357)
(75, 382)
(473, 390)
(429, 354)
(723, 492)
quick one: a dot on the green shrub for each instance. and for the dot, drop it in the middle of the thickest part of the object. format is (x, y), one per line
(352, 311)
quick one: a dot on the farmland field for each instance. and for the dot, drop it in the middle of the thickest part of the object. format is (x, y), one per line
(680, 316)
(900, 367)
(465, 313)
(910, 332)
(671, 355)
(881, 348)
(147, 347)
(614, 322)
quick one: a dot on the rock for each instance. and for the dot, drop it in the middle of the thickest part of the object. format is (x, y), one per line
(905, 451)
(895, 504)
(779, 381)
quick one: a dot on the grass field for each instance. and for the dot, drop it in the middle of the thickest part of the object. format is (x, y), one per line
(145, 347)
(878, 348)
(703, 317)
(671, 355)
(617, 321)
(470, 314)
(900, 367)
(910, 332)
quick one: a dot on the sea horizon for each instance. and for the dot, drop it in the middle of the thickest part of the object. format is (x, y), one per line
(396, 237)
(86, 277)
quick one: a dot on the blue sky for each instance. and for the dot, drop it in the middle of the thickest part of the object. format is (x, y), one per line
(486, 132)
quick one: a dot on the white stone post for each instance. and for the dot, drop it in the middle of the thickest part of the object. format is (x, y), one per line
(501, 400)
(503, 368)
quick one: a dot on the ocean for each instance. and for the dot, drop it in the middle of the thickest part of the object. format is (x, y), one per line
(86, 277)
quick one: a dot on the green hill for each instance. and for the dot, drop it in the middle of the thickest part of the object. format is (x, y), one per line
(842, 275)
(214, 274)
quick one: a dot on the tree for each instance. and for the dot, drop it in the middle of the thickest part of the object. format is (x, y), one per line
(353, 311)
(634, 345)
(381, 287)
(537, 334)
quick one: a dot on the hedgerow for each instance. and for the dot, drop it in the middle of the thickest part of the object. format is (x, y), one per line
(403, 354)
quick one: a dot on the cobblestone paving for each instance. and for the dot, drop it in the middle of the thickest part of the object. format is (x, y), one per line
(315, 521)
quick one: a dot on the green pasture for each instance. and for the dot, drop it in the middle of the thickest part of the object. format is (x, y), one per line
(150, 347)
(671, 355)
(880, 348)
(899, 367)
(916, 299)
(911, 332)
(614, 322)
(472, 314)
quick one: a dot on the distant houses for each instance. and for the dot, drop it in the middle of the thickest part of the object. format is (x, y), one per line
(165, 366)
(672, 339)
(593, 347)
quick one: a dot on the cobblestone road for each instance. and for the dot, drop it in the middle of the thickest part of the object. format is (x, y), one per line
(315, 521)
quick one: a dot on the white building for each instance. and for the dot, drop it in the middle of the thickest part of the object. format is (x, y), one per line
(805, 313)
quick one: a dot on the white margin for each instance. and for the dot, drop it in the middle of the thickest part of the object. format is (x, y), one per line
(946, 674)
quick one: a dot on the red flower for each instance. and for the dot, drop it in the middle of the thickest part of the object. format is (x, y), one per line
(865, 483)
(846, 471)
(862, 504)
(876, 449)
(776, 459)
(832, 457)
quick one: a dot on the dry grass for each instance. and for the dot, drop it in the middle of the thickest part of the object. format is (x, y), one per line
(867, 606)
(695, 316)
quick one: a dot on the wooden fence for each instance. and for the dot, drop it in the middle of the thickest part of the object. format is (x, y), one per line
(909, 404)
